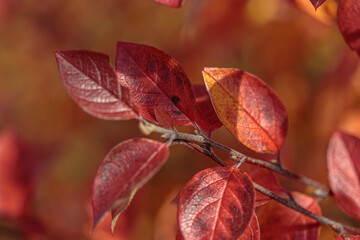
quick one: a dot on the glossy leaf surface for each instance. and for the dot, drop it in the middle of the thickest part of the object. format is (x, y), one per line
(267, 179)
(317, 3)
(126, 168)
(171, 3)
(349, 22)
(343, 160)
(248, 108)
(205, 115)
(279, 222)
(154, 80)
(217, 203)
(92, 83)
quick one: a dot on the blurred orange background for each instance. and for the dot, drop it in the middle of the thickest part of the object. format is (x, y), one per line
(50, 149)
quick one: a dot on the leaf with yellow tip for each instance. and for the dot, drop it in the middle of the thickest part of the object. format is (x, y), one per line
(248, 108)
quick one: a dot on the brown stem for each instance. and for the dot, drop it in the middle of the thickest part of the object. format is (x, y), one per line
(320, 190)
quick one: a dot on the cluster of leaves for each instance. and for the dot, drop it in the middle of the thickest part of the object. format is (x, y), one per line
(220, 202)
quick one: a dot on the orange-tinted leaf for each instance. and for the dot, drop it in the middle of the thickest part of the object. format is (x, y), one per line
(92, 83)
(279, 222)
(126, 168)
(154, 80)
(217, 203)
(205, 115)
(345, 237)
(266, 179)
(317, 3)
(171, 3)
(248, 108)
(349, 22)
(252, 232)
(343, 160)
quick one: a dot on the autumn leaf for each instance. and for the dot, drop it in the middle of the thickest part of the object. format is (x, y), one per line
(267, 179)
(248, 108)
(205, 115)
(126, 168)
(279, 222)
(348, 16)
(217, 203)
(154, 80)
(317, 3)
(252, 232)
(171, 3)
(92, 83)
(343, 160)
(346, 237)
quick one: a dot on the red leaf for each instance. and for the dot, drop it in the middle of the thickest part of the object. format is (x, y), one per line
(348, 237)
(126, 168)
(343, 160)
(279, 222)
(248, 108)
(92, 84)
(171, 3)
(252, 232)
(317, 3)
(217, 203)
(205, 115)
(348, 16)
(154, 80)
(266, 179)
(14, 182)
(163, 118)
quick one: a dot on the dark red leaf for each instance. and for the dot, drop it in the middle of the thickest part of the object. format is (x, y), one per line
(348, 16)
(154, 80)
(252, 232)
(126, 168)
(171, 3)
(217, 203)
(92, 83)
(345, 237)
(248, 108)
(205, 115)
(266, 179)
(278, 222)
(317, 3)
(343, 160)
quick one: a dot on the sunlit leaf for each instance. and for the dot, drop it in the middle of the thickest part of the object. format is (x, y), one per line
(343, 160)
(154, 80)
(248, 108)
(92, 83)
(217, 203)
(279, 222)
(171, 3)
(317, 3)
(126, 168)
(205, 115)
(349, 22)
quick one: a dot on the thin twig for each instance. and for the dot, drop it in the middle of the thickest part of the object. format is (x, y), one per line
(320, 190)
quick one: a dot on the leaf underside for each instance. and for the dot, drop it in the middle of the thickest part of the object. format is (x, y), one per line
(126, 168)
(343, 160)
(171, 3)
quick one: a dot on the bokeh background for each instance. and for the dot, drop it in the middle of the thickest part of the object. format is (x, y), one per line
(50, 149)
